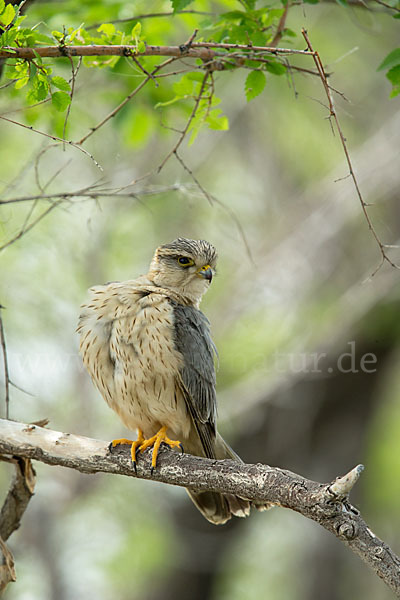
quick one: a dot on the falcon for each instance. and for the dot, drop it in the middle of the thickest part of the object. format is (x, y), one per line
(148, 350)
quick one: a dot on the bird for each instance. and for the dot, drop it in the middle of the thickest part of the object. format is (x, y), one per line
(148, 349)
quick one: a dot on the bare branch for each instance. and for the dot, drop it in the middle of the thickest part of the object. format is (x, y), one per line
(386, 5)
(17, 499)
(55, 138)
(281, 25)
(153, 16)
(189, 122)
(324, 503)
(126, 100)
(25, 228)
(5, 365)
(7, 571)
(333, 115)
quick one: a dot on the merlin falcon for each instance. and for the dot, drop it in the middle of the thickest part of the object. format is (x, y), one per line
(148, 349)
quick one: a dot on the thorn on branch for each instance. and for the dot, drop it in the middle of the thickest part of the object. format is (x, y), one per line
(343, 485)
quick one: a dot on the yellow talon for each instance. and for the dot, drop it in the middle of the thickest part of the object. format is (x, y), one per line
(140, 445)
(120, 441)
(156, 442)
(134, 445)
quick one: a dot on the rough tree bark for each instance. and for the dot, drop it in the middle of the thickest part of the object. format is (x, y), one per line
(327, 504)
(14, 506)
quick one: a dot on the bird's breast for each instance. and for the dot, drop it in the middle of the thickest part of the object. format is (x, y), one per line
(146, 368)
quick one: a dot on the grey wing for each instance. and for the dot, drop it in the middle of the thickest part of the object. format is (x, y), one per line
(193, 341)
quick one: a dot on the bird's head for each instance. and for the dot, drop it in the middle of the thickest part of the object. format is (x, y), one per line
(185, 267)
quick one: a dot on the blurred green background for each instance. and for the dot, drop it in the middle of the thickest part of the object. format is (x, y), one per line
(294, 282)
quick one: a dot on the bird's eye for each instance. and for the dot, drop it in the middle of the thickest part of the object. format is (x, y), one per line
(185, 261)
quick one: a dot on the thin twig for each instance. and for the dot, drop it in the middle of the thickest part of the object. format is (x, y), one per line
(387, 5)
(281, 25)
(5, 365)
(192, 175)
(91, 192)
(141, 67)
(125, 101)
(189, 122)
(55, 138)
(153, 16)
(25, 230)
(213, 200)
(333, 115)
(71, 95)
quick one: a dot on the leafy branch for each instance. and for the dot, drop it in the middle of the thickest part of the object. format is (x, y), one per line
(245, 38)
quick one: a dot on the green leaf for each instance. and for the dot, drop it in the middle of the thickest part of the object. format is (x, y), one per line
(60, 100)
(57, 35)
(19, 20)
(216, 120)
(136, 30)
(107, 28)
(21, 83)
(394, 77)
(141, 47)
(391, 60)
(254, 85)
(19, 70)
(2, 5)
(8, 37)
(38, 91)
(41, 37)
(42, 88)
(61, 83)
(8, 15)
(180, 4)
(276, 68)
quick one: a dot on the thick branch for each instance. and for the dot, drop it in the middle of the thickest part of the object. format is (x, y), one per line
(17, 499)
(15, 503)
(324, 503)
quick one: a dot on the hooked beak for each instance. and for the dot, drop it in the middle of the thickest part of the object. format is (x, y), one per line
(206, 272)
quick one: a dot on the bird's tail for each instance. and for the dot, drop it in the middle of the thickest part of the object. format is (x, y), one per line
(219, 508)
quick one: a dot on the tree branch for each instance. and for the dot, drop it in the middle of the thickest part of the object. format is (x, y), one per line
(327, 504)
(203, 50)
(15, 503)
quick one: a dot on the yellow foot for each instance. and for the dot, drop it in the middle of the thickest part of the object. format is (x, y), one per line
(134, 445)
(156, 442)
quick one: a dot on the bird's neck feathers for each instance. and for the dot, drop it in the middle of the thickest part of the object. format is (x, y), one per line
(188, 293)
